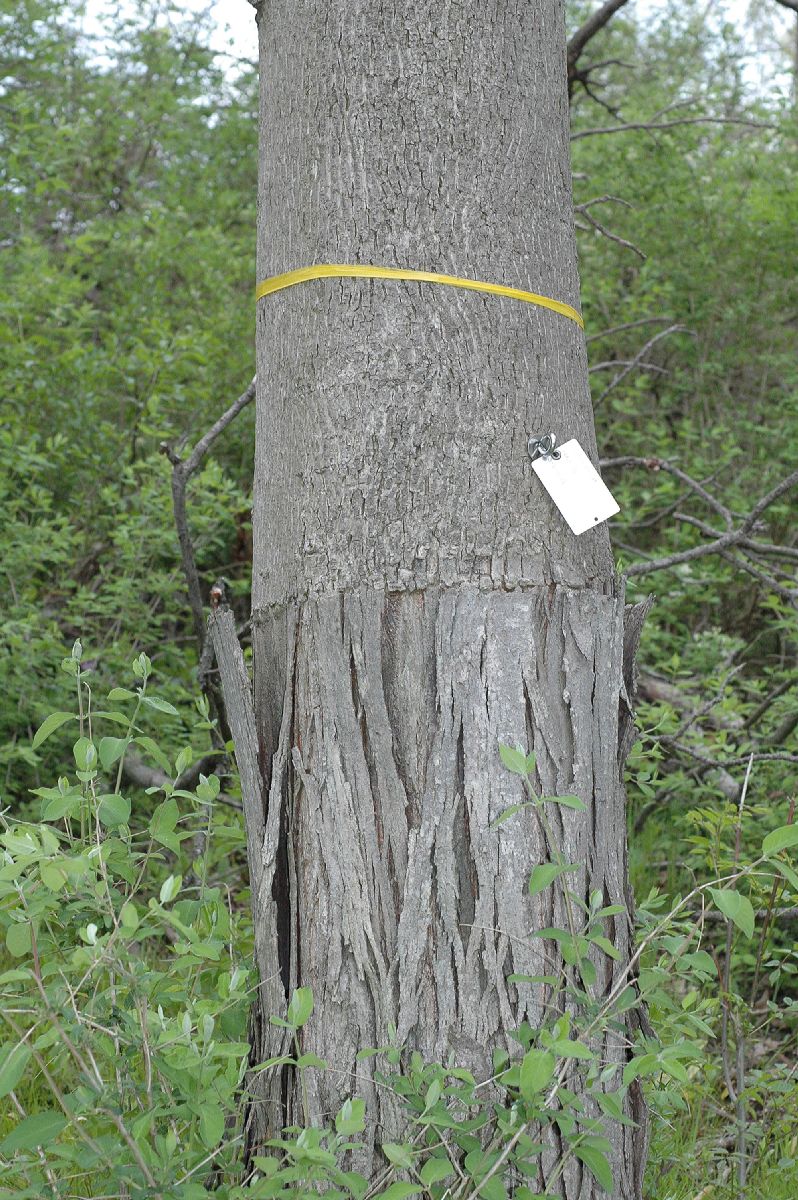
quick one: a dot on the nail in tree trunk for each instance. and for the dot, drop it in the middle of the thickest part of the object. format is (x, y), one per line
(417, 599)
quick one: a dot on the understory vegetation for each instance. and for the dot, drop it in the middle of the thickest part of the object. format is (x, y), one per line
(127, 211)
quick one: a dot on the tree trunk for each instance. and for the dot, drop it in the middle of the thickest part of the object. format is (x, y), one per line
(417, 599)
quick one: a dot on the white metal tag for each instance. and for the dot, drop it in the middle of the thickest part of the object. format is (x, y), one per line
(576, 487)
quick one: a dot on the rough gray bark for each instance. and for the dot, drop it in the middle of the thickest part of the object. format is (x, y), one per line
(416, 598)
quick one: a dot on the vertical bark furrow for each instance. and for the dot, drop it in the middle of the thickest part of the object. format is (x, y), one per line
(444, 606)
(437, 965)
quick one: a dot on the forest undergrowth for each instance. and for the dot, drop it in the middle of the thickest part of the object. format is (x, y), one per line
(127, 204)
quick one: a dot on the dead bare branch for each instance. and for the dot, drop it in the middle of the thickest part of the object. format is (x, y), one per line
(657, 690)
(654, 126)
(613, 363)
(638, 358)
(595, 22)
(662, 464)
(595, 337)
(765, 549)
(182, 470)
(761, 709)
(607, 233)
(722, 542)
(580, 208)
(734, 761)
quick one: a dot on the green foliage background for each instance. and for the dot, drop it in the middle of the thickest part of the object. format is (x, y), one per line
(127, 215)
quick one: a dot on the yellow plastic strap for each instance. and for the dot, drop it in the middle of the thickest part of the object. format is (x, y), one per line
(345, 271)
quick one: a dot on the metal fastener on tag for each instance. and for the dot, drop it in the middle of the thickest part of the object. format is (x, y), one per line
(543, 447)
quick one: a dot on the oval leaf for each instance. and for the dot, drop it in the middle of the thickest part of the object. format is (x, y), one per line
(49, 725)
(398, 1156)
(211, 1124)
(537, 1069)
(567, 802)
(13, 1060)
(300, 1008)
(598, 1165)
(545, 874)
(351, 1117)
(737, 908)
(161, 705)
(38, 1130)
(18, 939)
(85, 753)
(780, 839)
(169, 888)
(434, 1170)
(399, 1190)
(113, 809)
(111, 750)
(516, 761)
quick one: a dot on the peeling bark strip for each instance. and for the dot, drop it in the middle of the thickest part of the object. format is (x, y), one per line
(417, 598)
(407, 907)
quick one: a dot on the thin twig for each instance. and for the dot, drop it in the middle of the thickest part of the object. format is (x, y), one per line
(612, 237)
(730, 538)
(182, 470)
(641, 354)
(612, 364)
(595, 337)
(587, 31)
(654, 126)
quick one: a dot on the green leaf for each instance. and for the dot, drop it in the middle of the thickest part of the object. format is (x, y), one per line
(111, 750)
(169, 888)
(545, 874)
(516, 760)
(129, 916)
(13, 1060)
(38, 1130)
(61, 806)
(398, 1156)
(780, 839)
(435, 1170)
(736, 907)
(311, 1060)
(279, 1061)
(565, 1048)
(211, 1124)
(300, 1008)
(16, 975)
(433, 1094)
(537, 1069)
(492, 1189)
(113, 809)
(598, 1165)
(567, 802)
(351, 1117)
(183, 760)
(786, 870)
(18, 939)
(507, 813)
(155, 752)
(399, 1190)
(52, 875)
(119, 693)
(49, 725)
(164, 820)
(638, 1068)
(161, 705)
(604, 944)
(85, 753)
